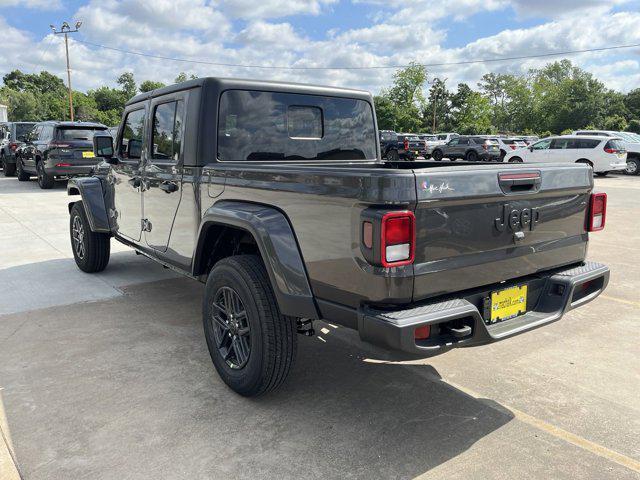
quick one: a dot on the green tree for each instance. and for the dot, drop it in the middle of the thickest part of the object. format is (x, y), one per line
(149, 85)
(182, 77)
(437, 114)
(615, 122)
(128, 85)
(632, 102)
(386, 112)
(634, 126)
(475, 115)
(20, 105)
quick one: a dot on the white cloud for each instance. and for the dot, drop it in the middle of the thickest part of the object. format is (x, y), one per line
(41, 4)
(208, 31)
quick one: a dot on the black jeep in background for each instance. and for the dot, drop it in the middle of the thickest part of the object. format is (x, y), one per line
(57, 149)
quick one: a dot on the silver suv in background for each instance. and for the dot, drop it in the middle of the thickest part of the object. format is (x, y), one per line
(632, 146)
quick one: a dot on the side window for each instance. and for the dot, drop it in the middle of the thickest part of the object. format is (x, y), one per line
(168, 130)
(47, 133)
(541, 145)
(563, 144)
(587, 143)
(130, 146)
(453, 142)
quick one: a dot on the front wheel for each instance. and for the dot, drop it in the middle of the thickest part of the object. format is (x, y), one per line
(471, 156)
(252, 345)
(91, 250)
(437, 155)
(514, 160)
(633, 166)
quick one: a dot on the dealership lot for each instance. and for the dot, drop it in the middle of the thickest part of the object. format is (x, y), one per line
(108, 376)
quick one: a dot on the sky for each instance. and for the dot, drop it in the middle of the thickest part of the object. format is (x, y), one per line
(318, 33)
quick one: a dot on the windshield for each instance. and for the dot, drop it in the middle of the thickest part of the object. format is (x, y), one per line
(627, 137)
(83, 133)
(256, 125)
(22, 129)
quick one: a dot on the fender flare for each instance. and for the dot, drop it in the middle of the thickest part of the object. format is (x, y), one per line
(278, 247)
(90, 190)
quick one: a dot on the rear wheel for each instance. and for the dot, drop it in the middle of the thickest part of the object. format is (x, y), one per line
(602, 174)
(437, 155)
(471, 156)
(22, 175)
(633, 166)
(44, 179)
(515, 160)
(252, 345)
(392, 156)
(9, 169)
(91, 250)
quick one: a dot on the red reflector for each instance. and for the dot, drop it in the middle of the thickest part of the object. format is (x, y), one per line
(597, 212)
(422, 332)
(513, 147)
(63, 164)
(367, 234)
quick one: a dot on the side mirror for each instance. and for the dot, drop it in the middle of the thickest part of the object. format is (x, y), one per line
(103, 146)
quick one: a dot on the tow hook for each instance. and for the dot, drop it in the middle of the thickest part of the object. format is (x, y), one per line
(458, 332)
(305, 327)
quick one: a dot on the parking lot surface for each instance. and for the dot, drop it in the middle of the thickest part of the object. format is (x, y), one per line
(108, 376)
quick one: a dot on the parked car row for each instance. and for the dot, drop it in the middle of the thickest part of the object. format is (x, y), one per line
(49, 150)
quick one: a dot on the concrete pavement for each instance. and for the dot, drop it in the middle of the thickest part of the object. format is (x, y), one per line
(123, 388)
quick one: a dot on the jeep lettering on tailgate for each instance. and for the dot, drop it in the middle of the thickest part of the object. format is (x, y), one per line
(516, 220)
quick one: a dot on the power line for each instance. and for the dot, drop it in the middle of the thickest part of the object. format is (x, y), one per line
(376, 67)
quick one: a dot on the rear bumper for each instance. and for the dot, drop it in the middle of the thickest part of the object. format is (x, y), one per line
(458, 322)
(70, 168)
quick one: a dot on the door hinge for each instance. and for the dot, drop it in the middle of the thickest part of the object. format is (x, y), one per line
(146, 225)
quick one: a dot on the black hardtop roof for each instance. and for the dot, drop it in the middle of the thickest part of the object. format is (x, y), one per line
(58, 123)
(222, 84)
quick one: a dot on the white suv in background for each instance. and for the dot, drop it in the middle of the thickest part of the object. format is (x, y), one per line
(603, 154)
(632, 143)
(444, 138)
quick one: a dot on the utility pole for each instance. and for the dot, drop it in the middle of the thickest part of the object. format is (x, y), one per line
(65, 30)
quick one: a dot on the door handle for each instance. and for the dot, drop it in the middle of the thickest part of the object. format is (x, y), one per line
(168, 187)
(134, 182)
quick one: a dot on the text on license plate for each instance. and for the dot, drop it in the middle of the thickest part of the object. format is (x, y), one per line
(87, 155)
(508, 303)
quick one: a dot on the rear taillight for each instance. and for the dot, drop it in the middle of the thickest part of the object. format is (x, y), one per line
(398, 239)
(597, 212)
(611, 150)
(513, 147)
(406, 144)
(422, 333)
(485, 146)
(13, 146)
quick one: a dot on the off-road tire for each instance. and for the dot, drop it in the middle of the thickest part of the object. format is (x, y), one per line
(272, 336)
(22, 175)
(45, 181)
(96, 246)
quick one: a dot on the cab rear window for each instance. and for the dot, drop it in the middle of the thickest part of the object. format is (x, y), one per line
(263, 126)
(78, 133)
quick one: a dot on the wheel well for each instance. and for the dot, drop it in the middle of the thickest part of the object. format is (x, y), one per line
(222, 241)
(633, 155)
(584, 160)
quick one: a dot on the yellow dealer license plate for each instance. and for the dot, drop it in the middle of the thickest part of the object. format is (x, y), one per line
(508, 303)
(87, 155)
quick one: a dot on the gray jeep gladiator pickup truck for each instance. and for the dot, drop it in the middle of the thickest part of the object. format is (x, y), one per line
(275, 196)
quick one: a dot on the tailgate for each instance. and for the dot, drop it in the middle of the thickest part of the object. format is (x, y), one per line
(492, 223)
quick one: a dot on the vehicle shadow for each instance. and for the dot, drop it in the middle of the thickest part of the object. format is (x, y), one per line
(124, 388)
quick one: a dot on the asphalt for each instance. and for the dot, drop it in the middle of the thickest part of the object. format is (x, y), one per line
(108, 377)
